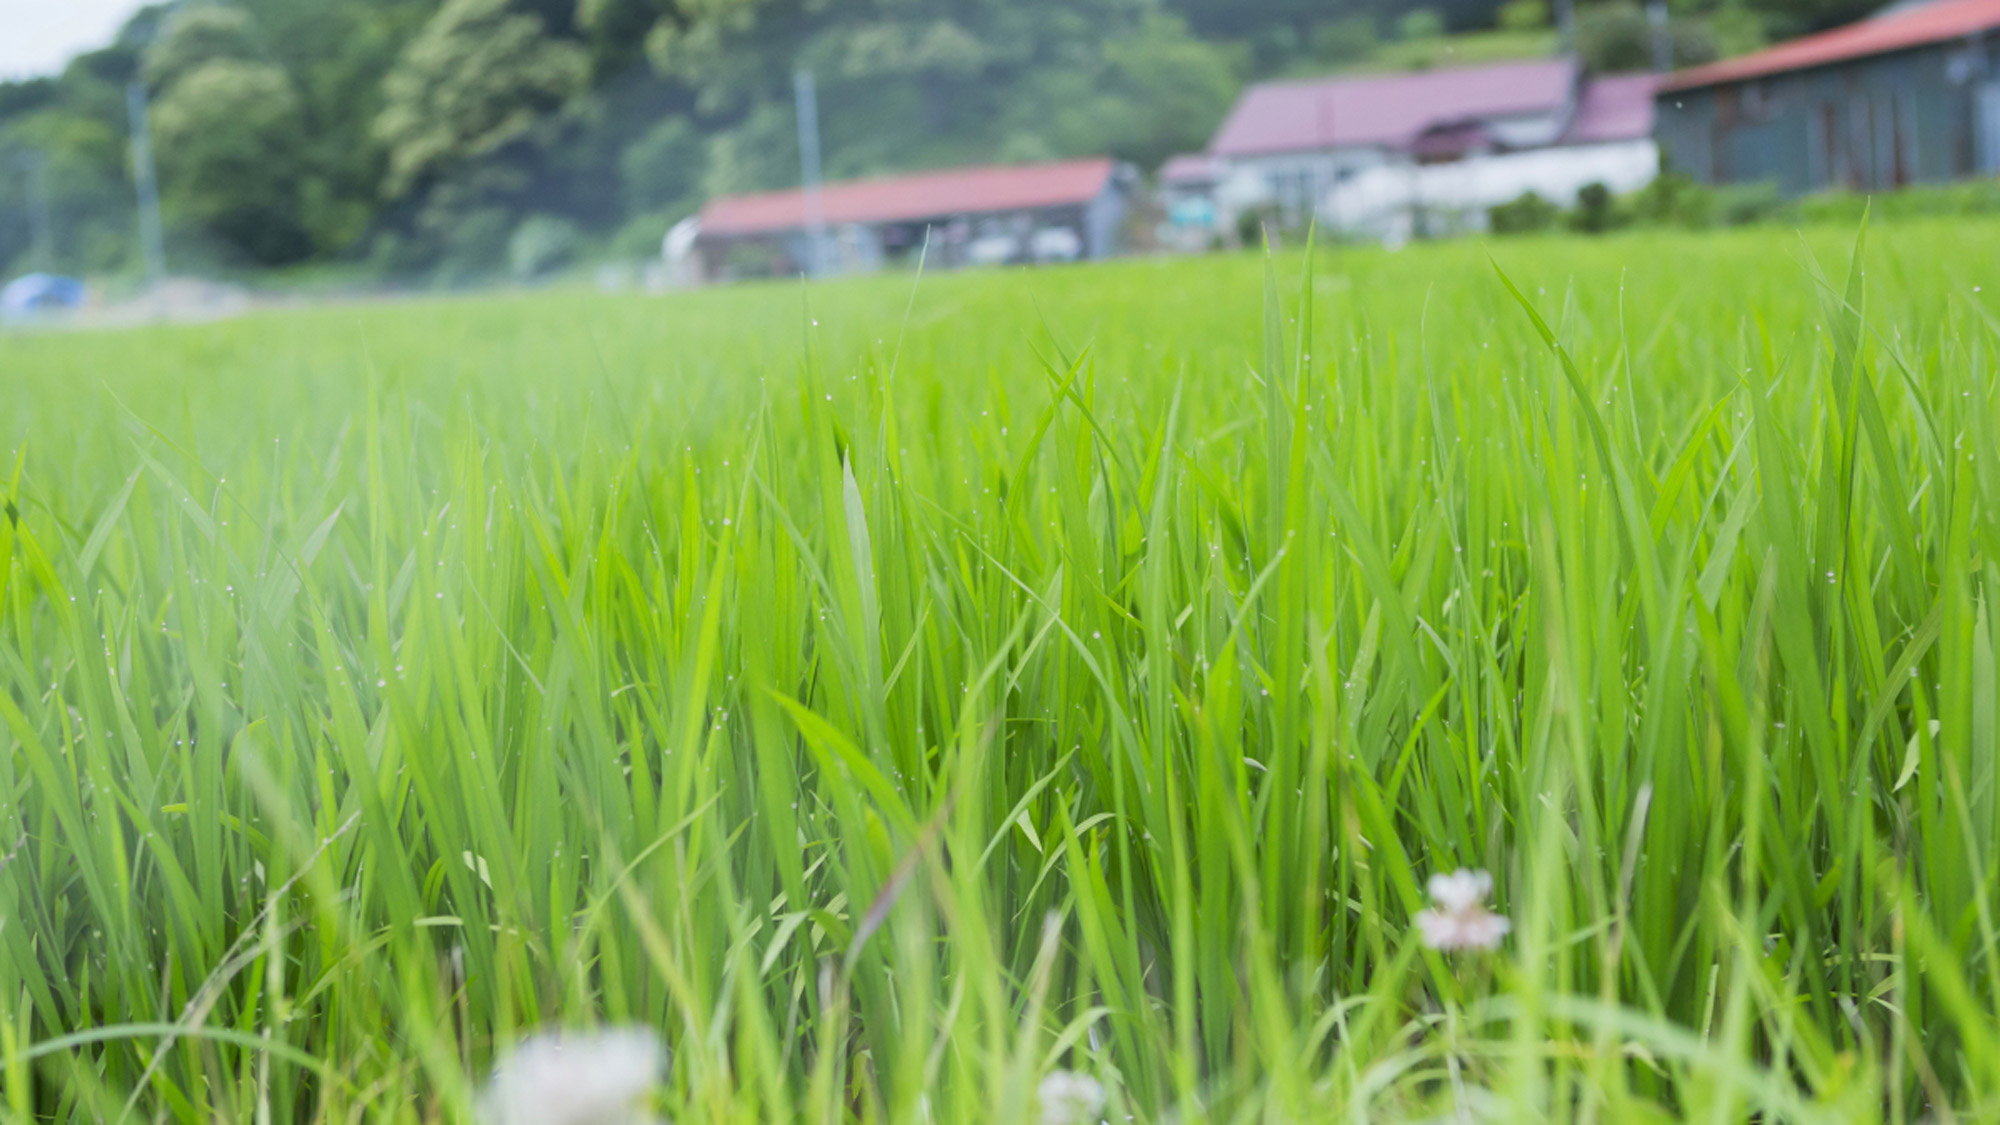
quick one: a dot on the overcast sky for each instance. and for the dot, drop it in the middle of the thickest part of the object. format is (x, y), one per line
(39, 36)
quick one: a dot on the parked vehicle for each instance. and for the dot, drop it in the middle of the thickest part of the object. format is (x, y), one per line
(1055, 244)
(38, 294)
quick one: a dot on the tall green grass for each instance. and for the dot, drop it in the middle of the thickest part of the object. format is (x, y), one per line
(891, 692)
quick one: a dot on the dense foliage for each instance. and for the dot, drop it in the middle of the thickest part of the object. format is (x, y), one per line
(417, 135)
(890, 696)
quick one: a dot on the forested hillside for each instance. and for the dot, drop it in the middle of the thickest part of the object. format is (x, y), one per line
(460, 138)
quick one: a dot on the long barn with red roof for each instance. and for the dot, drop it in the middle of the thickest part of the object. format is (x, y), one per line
(985, 215)
(1910, 95)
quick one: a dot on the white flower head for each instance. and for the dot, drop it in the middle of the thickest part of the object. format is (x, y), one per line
(1069, 1098)
(1460, 919)
(576, 1078)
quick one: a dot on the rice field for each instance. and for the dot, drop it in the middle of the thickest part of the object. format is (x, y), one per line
(1023, 697)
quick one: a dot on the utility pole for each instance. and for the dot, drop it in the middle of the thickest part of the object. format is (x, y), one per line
(808, 103)
(152, 243)
(1663, 40)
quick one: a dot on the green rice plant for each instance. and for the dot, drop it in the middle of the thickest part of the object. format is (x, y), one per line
(893, 693)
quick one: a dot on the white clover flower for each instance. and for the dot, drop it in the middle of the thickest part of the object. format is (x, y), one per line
(576, 1078)
(1069, 1098)
(1460, 919)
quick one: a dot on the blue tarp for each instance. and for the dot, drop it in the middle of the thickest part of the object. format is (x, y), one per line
(40, 292)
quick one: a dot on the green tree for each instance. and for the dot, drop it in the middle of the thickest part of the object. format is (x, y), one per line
(76, 123)
(1617, 36)
(479, 76)
(1596, 210)
(228, 136)
(1614, 36)
(1524, 15)
(1736, 29)
(1420, 23)
(1527, 214)
(616, 29)
(1159, 91)
(541, 243)
(337, 53)
(1247, 19)
(1345, 39)
(231, 132)
(196, 35)
(1277, 30)
(924, 83)
(758, 153)
(89, 203)
(662, 168)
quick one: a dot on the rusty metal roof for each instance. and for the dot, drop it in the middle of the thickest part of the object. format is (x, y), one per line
(923, 195)
(1898, 29)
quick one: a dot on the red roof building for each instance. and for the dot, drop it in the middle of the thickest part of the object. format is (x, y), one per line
(1910, 95)
(989, 214)
(1898, 29)
(922, 195)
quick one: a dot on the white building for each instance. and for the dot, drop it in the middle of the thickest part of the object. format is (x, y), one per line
(1430, 152)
